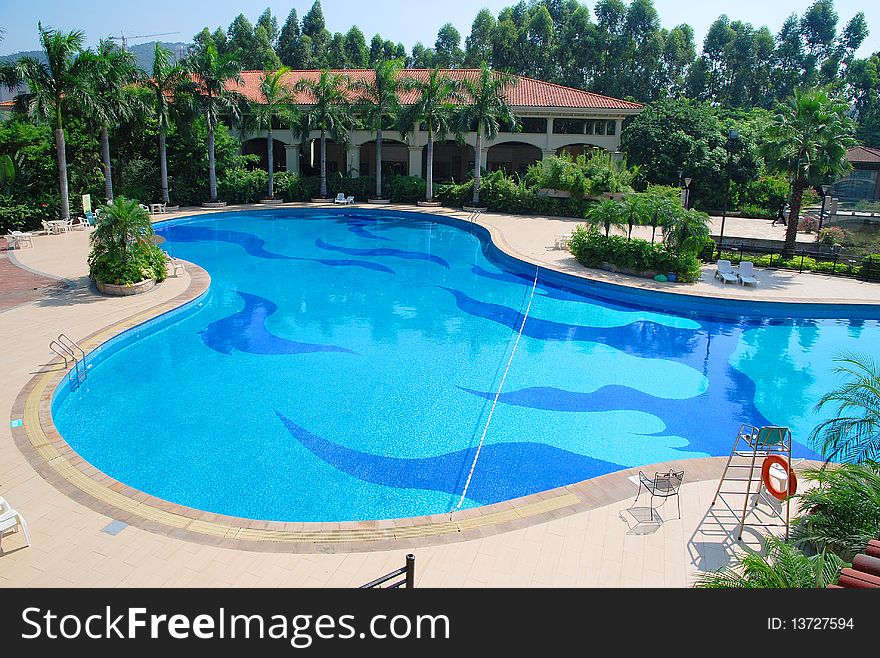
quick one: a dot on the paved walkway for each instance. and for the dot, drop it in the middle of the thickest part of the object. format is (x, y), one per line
(19, 286)
(592, 547)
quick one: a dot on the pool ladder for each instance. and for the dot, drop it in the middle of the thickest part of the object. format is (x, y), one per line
(65, 347)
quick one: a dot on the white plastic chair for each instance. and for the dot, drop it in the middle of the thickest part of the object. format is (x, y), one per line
(746, 273)
(11, 521)
(77, 222)
(724, 271)
(20, 238)
(340, 198)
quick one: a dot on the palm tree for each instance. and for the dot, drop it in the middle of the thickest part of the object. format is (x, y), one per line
(109, 70)
(330, 113)
(276, 103)
(122, 247)
(53, 85)
(165, 85)
(212, 72)
(487, 109)
(783, 566)
(687, 232)
(841, 514)
(606, 213)
(434, 107)
(381, 105)
(853, 434)
(638, 210)
(808, 143)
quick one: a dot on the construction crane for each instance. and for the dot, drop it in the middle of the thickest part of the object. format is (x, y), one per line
(124, 39)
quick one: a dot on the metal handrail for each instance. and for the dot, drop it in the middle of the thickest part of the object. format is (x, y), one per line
(71, 344)
(63, 353)
(408, 582)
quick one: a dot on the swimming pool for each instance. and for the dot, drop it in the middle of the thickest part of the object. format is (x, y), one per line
(343, 364)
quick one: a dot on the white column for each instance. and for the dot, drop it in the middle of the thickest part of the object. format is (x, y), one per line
(547, 153)
(415, 160)
(484, 156)
(353, 161)
(549, 133)
(292, 154)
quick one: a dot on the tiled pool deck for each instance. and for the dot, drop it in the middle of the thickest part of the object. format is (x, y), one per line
(572, 536)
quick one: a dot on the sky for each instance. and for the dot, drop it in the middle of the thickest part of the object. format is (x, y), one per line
(406, 21)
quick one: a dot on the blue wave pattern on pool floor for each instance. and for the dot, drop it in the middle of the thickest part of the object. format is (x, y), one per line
(246, 331)
(308, 388)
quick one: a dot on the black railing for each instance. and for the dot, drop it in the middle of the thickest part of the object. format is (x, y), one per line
(840, 264)
(408, 571)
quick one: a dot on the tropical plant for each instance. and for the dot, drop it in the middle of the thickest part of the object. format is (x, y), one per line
(122, 248)
(842, 513)
(211, 74)
(109, 71)
(782, 566)
(53, 85)
(7, 174)
(808, 143)
(606, 213)
(434, 107)
(487, 109)
(276, 103)
(687, 232)
(166, 85)
(380, 105)
(853, 433)
(330, 113)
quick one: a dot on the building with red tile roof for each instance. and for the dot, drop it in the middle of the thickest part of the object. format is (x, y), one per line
(553, 118)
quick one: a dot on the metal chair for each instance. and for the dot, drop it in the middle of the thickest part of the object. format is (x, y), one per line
(663, 485)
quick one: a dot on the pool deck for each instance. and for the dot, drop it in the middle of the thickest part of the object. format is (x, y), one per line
(569, 537)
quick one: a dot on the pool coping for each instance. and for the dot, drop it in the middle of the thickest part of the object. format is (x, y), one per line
(55, 460)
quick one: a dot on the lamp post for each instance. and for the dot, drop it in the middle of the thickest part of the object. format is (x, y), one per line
(825, 190)
(731, 137)
(687, 192)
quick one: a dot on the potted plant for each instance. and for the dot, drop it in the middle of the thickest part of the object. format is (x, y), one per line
(124, 260)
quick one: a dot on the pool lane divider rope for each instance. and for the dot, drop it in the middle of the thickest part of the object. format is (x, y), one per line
(522, 326)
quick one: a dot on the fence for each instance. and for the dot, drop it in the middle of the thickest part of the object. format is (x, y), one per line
(408, 571)
(833, 263)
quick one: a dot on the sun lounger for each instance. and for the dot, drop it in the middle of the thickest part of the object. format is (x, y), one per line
(746, 273)
(724, 271)
(343, 200)
(12, 521)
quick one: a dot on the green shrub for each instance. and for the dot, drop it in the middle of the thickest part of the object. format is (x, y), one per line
(832, 235)
(871, 267)
(585, 175)
(123, 252)
(756, 211)
(763, 195)
(592, 249)
(19, 217)
(242, 185)
(405, 189)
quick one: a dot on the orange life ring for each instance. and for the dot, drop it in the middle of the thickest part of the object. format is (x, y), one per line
(768, 483)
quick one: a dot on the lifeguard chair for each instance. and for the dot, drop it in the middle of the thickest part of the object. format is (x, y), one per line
(762, 457)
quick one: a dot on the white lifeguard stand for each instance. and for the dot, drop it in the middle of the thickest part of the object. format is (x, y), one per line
(772, 446)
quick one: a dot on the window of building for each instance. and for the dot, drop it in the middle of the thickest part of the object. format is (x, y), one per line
(568, 126)
(612, 128)
(533, 125)
(600, 127)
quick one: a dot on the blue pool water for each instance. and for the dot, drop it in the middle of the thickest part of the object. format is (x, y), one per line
(343, 364)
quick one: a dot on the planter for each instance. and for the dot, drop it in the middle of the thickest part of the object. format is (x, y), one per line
(554, 194)
(272, 202)
(379, 202)
(172, 208)
(428, 204)
(214, 204)
(321, 200)
(125, 291)
(474, 209)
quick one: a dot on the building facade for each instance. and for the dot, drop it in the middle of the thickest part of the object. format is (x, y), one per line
(553, 119)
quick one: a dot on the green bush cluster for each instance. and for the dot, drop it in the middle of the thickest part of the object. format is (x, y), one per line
(762, 196)
(592, 249)
(404, 189)
(141, 261)
(123, 252)
(869, 269)
(243, 185)
(18, 216)
(584, 175)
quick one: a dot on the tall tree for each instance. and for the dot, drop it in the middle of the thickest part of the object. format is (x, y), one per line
(288, 41)
(329, 112)
(486, 108)
(270, 24)
(478, 45)
(165, 84)
(211, 73)
(109, 70)
(315, 29)
(356, 49)
(422, 58)
(243, 43)
(336, 55)
(380, 105)
(53, 85)
(434, 107)
(377, 49)
(276, 104)
(447, 48)
(808, 142)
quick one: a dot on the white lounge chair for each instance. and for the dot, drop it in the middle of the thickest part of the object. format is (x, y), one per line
(175, 264)
(724, 271)
(746, 273)
(17, 239)
(77, 223)
(11, 521)
(340, 198)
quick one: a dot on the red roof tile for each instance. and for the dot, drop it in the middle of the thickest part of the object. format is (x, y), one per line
(527, 92)
(863, 154)
(7, 104)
